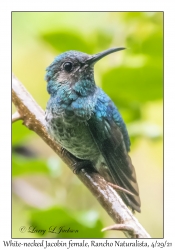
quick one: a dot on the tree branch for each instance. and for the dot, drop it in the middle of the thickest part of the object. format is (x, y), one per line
(16, 117)
(33, 118)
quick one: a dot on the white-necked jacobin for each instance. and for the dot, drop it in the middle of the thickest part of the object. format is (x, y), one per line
(84, 120)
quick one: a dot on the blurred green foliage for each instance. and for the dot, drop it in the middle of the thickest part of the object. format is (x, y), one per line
(132, 78)
(81, 222)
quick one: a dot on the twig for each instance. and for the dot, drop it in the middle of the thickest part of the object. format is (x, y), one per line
(118, 188)
(16, 116)
(33, 118)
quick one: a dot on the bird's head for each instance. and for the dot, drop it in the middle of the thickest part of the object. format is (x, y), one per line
(74, 70)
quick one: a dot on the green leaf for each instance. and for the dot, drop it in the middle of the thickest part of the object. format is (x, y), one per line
(67, 40)
(22, 165)
(20, 133)
(58, 219)
(153, 46)
(134, 85)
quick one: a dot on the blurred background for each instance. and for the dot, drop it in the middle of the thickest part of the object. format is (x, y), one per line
(44, 191)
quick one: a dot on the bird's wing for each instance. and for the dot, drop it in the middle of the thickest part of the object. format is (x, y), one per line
(109, 137)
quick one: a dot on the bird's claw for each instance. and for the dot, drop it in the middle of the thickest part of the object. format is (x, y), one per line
(79, 165)
(63, 150)
(77, 168)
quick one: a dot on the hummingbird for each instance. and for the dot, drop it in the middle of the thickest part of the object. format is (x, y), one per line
(83, 119)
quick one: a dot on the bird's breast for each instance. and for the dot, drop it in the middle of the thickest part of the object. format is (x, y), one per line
(73, 134)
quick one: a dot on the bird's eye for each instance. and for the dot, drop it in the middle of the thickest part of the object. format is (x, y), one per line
(67, 66)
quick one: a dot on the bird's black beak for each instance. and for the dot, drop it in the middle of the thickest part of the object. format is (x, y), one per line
(95, 58)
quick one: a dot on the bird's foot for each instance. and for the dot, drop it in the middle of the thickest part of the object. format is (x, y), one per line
(63, 152)
(119, 188)
(80, 165)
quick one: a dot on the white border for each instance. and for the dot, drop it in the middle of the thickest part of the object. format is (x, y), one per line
(5, 93)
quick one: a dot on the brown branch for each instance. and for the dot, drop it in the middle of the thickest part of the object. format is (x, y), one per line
(33, 118)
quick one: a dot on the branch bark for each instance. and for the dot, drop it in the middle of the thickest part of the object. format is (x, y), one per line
(33, 118)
